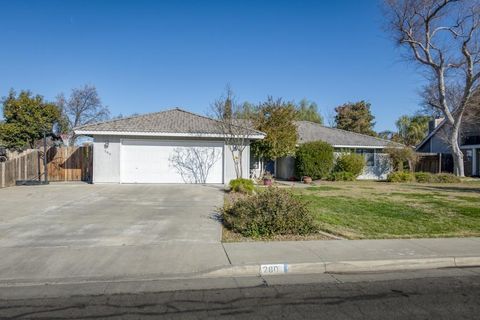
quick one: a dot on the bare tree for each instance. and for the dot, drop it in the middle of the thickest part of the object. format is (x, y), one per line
(234, 128)
(442, 36)
(194, 163)
(82, 107)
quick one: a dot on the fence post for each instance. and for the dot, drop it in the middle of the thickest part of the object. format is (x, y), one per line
(3, 174)
(25, 166)
(439, 163)
(18, 172)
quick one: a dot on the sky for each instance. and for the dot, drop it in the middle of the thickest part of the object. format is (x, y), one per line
(148, 56)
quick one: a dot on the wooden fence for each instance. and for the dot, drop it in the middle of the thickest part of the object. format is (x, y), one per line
(434, 163)
(63, 164)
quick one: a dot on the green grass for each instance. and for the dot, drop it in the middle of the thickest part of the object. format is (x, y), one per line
(323, 188)
(400, 211)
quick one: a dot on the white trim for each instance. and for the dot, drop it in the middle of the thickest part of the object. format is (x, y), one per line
(472, 146)
(358, 147)
(159, 134)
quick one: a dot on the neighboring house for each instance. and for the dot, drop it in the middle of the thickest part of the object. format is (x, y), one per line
(437, 142)
(173, 146)
(377, 163)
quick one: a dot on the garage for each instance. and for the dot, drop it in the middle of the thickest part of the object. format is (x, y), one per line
(163, 161)
(172, 146)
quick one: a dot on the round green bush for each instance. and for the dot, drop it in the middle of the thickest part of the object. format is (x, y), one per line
(425, 177)
(342, 176)
(314, 159)
(241, 185)
(350, 162)
(400, 176)
(447, 178)
(271, 212)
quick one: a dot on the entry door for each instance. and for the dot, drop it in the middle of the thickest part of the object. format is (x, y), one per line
(162, 161)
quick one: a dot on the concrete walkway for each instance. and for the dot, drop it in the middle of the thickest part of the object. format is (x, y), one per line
(338, 256)
(200, 260)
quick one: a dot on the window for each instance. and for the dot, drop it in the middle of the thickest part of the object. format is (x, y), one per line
(369, 155)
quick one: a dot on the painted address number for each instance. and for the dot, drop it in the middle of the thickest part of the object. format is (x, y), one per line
(273, 268)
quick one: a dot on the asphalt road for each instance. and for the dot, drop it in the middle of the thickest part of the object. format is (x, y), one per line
(364, 297)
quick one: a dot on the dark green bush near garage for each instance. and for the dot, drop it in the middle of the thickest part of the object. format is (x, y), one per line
(314, 159)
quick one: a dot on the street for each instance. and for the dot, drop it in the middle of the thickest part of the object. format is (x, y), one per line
(428, 294)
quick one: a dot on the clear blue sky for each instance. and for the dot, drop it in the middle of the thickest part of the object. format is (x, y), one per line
(145, 56)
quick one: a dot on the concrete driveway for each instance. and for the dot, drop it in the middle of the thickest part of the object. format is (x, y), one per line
(82, 230)
(103, 215)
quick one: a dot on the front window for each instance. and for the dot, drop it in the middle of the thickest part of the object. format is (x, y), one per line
(369, 155)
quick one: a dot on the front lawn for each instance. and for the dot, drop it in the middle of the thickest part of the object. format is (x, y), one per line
(367, 209)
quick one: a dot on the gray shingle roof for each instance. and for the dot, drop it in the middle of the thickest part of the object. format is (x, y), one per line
(310, 131)
(169, 121)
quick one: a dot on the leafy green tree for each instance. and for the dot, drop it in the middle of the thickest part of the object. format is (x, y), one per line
(26, 118)
(355, 117)
(411, 129)
(308, 111)
(276, 119)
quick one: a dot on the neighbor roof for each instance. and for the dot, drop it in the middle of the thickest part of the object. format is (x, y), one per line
(310, 131)
(170, 122)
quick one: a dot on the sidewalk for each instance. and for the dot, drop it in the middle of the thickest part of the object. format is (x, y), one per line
(338, 256)
(22, 266)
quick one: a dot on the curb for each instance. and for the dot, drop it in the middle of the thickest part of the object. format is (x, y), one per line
(220, 278)
(354, 266)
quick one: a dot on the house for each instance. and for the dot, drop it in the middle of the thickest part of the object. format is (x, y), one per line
(437, 142)
(173, 146)
(377, 163)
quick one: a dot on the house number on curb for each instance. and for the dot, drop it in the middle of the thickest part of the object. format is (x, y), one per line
(273, 268)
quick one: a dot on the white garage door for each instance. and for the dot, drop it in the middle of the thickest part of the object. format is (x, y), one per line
(161, 161)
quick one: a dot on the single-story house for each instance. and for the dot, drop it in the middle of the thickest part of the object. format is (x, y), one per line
(173, 146)
(437, 142)
(377, 163)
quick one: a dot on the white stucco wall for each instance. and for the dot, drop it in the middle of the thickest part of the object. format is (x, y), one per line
(229, 168)
(380, 170)
(106, 160)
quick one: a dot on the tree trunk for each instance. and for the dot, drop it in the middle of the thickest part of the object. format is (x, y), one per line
(458, 165)
(240, 163)
(235, 162)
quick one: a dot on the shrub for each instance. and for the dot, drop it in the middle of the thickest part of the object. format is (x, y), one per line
(400, 176)
(424, 177)
(427, 177)
(314, 159)
(342, 176)
(350, 162)
(402, 157)
(447, 178)
(268, 213)
(241, 185)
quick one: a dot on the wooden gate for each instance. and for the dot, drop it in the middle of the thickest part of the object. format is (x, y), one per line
(70, 164)
(63, 164)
